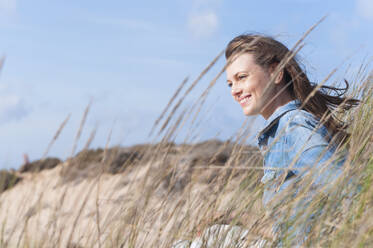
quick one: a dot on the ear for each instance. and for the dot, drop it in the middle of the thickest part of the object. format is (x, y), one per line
(279, 75)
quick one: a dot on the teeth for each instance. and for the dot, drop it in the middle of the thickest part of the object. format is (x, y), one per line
(244, 100)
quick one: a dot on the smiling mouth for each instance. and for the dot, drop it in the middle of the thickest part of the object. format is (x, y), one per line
(244, 100)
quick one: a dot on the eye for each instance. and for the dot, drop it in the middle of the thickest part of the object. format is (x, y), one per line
(230, 85)
(241, 77)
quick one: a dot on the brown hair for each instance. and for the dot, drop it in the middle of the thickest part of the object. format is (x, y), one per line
(315, 99)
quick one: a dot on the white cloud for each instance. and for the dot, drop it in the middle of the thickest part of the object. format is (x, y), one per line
(12, 108)
(133, 24)
(365, 8)
(203, 24)
(203, 19)
(303, 1)
(206, 3)
(8, 6)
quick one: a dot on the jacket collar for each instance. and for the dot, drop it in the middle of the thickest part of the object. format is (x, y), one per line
(292, 105)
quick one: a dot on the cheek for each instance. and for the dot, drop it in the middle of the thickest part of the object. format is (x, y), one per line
(261, 85)
(254, 87)
(249, 85)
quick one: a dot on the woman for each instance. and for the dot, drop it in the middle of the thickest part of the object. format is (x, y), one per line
(301, 132)
(300, 127)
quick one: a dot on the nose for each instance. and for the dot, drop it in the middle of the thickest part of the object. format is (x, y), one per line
(236, 91)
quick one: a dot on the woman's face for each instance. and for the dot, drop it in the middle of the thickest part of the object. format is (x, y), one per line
(248, 82)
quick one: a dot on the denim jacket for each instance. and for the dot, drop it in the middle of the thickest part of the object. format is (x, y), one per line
(292, 142)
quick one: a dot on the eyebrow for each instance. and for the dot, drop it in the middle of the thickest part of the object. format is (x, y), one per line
(235, 75)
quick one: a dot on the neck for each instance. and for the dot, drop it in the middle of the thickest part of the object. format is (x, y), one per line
(277, 102)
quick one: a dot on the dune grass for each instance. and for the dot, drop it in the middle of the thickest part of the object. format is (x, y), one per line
(166, 192)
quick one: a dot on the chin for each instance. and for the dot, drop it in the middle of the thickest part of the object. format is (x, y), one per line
(249, 111)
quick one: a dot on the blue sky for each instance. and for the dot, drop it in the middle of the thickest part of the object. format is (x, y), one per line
(128, 57)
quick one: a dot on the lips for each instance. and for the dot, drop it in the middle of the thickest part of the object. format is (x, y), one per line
(243, 100)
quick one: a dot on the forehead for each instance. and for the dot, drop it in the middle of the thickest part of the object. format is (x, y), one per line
(242, 62)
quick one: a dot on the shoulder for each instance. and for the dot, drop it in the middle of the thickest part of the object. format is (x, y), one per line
(301, 120)
(302, 127)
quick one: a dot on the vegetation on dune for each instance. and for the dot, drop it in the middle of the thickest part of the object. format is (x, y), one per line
(152, 195)
(8, 179)
(40, 165)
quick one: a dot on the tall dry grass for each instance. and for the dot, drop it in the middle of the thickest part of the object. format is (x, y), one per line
(168, 192)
